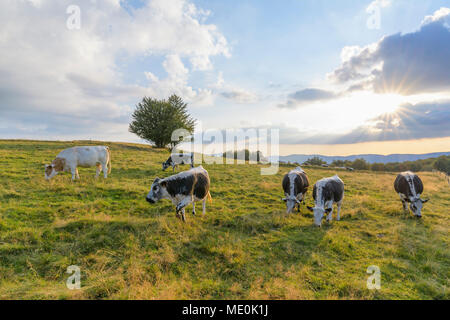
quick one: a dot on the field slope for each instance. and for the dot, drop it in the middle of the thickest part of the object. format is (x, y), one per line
(246, 247)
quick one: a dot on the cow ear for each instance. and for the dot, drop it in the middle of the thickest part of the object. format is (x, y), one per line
(310, 208)
(284, 199)
(425, 201)
(163, 184)
(328, 210)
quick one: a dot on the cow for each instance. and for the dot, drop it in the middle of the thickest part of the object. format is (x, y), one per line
(326, 192)
(295, 185)
(183, 188)
(178, 158)
(409, 187)
(70, 159)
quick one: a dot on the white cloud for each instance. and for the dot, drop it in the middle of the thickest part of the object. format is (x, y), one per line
(240, 96)
(441, 14)
(378, 4)
(49, 71)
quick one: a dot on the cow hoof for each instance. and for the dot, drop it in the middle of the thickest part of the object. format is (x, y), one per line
(193, 212)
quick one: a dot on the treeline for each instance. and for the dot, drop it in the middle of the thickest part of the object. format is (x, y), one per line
(245, 154)
(441, 164)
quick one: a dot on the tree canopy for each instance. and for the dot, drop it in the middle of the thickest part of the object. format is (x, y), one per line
(155, 120)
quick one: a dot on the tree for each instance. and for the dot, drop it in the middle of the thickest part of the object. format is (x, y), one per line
(155, 120)
(338, 163)
(245, 154)
(360, 164)
(378, 167)
(314, 161)
(443, 164)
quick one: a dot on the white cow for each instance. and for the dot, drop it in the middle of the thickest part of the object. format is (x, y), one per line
(69, 159)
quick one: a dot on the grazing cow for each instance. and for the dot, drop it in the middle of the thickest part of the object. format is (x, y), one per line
(295, 186)
(178, 158)
(182, 188)
(409, 187)
(85, 157)
(326, 192)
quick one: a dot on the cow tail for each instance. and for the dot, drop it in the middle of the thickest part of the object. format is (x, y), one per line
(209, 197)
(109, 160)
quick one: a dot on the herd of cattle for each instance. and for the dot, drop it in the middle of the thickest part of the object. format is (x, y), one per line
(193, 185)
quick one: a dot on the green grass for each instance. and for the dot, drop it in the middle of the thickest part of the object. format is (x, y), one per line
(246, 247)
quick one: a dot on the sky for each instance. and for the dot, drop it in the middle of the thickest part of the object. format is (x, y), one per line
(334, 77)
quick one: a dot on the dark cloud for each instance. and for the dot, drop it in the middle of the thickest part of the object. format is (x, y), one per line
(423, 120)
(309, 95)
(240, 96)
(409, 63)
(408, 122)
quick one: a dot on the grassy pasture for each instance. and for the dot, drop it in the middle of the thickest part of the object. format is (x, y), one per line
(246, 247)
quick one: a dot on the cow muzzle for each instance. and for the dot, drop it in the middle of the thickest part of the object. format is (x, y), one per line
(150, 200)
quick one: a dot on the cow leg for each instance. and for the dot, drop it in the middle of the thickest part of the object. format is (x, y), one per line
(99, 169)
(181, 205)
(204, 206)
(73, 171)
(405, 204)
(330, 215)
(105, 170)
(76, 174)
(339, 210)
(193, 208)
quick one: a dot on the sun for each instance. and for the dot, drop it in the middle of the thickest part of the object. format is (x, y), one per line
(372, 104)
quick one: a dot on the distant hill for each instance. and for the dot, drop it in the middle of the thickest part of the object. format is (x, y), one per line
(371, 158)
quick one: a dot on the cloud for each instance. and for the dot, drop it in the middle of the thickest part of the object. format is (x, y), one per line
(411, 63)
(408, 122)
(240, 96)
(308, 96)
(52, 77)
(378, 4)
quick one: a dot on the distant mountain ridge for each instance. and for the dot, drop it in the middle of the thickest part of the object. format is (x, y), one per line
(371, 158)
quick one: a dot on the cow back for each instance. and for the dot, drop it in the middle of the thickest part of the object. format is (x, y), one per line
(402, 184)
(300, 181)
(331, 190)
(194, 182)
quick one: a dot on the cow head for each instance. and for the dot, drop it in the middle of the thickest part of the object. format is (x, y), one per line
(319, 214)
(157, 192)
(52, 169)
(165, 165)
(290, 203)
(416, 206)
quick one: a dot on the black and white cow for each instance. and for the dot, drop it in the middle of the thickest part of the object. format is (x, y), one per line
(295, 186)
(183, 188)
(178, 158)
(326, 192)
(409, 187)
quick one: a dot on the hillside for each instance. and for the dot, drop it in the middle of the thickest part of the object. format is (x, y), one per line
(371, 158)
(246, 247)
